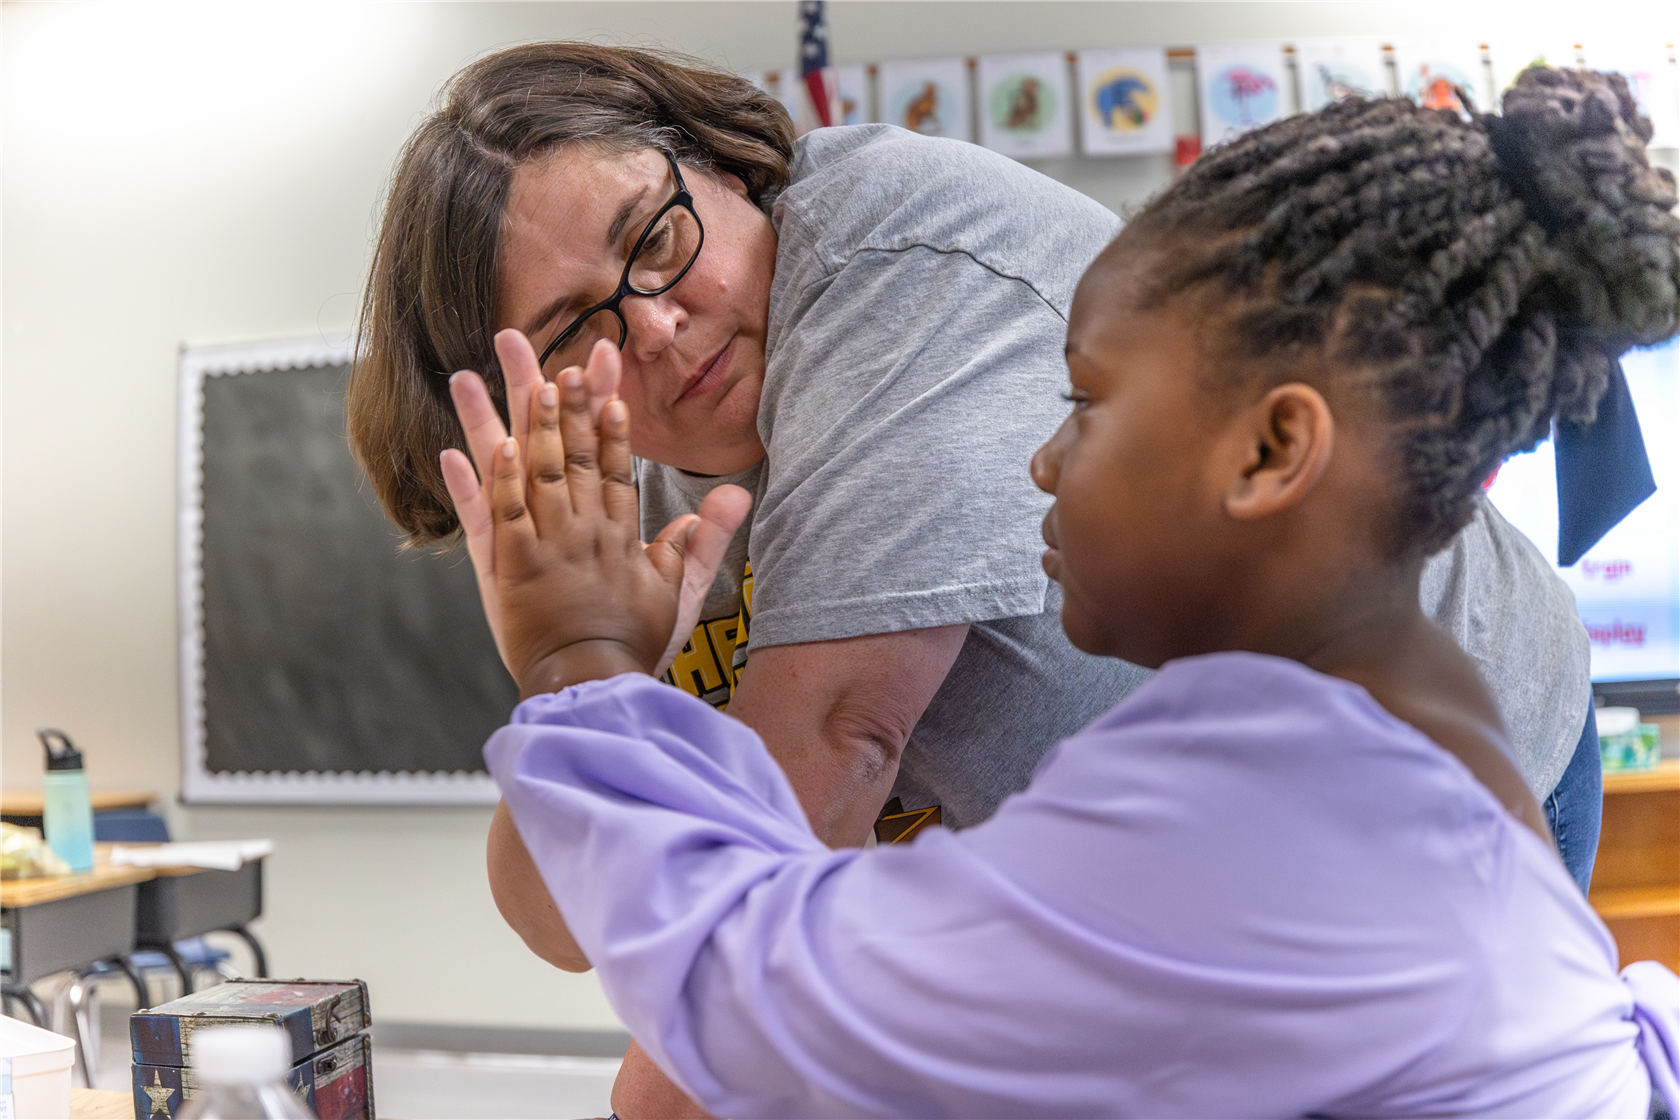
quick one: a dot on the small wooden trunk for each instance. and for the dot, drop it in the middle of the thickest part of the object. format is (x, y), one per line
(326, 1021)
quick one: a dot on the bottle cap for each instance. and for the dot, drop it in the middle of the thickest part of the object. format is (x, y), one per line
(61, 752)
(239, 1055)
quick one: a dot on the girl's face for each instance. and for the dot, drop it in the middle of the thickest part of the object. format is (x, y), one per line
(693, 357)
(1135, 469)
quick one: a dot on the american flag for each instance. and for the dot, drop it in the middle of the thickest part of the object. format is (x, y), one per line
(813, 60)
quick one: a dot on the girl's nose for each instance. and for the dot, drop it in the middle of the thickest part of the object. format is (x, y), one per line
(1047, 460)
(652, 321)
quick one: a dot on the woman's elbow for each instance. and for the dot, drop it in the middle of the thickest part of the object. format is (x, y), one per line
(523, 899)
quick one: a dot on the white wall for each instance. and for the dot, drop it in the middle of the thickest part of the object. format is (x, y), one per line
(212, 172)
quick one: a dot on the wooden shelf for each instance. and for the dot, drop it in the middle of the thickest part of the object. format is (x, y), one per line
(1637, 902)
(1665, 777)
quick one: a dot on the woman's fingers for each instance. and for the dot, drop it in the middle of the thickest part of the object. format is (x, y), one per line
(577, 432)
(520, 375)
(480, 422)
(618, 472)
(547, 492)
(472, 507)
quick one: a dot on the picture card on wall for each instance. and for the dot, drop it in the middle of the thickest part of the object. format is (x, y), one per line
(929, 96)
(1242, 86)
(1332, 69)
(1024, 104)
(1509, 57)
(1650, 78)
(1123, 101)
(854, 94)
(1432, 73)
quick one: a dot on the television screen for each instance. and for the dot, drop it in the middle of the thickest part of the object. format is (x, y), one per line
(1627, 587)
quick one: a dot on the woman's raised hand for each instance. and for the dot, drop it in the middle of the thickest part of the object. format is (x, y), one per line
(551, 522)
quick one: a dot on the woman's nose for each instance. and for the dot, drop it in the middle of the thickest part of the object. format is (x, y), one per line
(1047, 460)
(652, 322)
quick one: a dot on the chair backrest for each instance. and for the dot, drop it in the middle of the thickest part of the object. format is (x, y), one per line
(130, 826)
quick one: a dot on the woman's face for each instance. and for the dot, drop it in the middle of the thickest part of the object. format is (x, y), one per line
(693, 356)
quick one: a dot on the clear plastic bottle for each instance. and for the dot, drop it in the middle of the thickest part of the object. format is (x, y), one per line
(241, 1075)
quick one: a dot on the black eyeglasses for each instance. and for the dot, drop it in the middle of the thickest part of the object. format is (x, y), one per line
(662, 255)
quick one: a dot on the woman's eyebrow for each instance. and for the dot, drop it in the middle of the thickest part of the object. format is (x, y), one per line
(615, 230)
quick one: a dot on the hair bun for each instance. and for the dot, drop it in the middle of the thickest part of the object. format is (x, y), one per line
(1571, 145)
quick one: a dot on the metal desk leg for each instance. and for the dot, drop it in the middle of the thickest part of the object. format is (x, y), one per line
(20, 993)
(256, 948)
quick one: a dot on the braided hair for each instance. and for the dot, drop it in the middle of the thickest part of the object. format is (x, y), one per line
(1474, 276)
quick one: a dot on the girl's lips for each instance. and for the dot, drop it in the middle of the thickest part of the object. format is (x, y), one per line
(710, 375)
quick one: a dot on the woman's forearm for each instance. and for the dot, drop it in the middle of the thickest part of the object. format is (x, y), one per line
(523, 898)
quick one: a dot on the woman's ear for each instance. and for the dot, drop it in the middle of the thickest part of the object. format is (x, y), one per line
(734, 182)
(1290, 435)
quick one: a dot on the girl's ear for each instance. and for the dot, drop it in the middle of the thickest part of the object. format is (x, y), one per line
(1290, 435)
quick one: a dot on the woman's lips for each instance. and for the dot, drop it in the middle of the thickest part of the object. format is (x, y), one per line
(710, 375)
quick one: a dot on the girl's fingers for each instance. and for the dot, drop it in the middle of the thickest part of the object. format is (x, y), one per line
(520, 375)
(618, 473)
(480, 422)
(548, 494)
(577, 433)
(514, 532)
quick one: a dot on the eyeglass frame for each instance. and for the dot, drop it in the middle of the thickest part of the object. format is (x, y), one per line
(682, 198)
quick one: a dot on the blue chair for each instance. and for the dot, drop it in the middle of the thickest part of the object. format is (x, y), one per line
(190, 957)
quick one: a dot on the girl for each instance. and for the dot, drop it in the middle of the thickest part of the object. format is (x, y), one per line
(1295, 873)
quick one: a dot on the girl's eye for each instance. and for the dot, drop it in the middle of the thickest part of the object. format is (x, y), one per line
(1077, 400)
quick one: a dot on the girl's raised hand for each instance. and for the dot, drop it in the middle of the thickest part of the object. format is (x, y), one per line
(570, 591)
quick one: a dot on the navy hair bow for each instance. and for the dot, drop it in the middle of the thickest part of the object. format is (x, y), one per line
(1602, 470)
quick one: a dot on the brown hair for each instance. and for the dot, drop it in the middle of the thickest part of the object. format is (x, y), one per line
(430, 304)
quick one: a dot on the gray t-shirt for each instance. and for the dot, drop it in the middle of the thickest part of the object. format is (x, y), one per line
(914, 363)
(1506, 606)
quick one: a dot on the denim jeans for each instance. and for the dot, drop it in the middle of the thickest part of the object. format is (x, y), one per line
(1575, 808)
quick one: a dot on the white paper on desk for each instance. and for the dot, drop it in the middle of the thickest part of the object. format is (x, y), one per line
(222, 855)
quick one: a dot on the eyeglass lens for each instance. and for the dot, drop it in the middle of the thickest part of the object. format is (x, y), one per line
(667, 248)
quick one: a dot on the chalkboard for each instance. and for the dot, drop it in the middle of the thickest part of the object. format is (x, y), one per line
(321, 661)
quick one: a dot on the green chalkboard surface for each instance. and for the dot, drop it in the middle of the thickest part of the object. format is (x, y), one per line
(332, 664)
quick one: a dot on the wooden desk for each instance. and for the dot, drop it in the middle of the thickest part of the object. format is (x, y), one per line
(69, 921)
(1636, 881)
(101, 1104)
(29, 803)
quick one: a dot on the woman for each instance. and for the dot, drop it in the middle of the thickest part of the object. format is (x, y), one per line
(865, 331)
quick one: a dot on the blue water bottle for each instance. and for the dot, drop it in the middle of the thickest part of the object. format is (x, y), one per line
(67, 813)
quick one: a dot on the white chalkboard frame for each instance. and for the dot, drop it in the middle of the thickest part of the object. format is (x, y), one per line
(198, 783)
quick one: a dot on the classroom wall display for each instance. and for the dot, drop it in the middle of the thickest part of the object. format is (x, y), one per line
(1331, 69)
(1242, 86)
(1432, 73)
(319, 661)
(1627, 586)
(1025, 104)
(1509, 57)
(855, 106)
(1650, 78)
(1123, 101)
(929, 96)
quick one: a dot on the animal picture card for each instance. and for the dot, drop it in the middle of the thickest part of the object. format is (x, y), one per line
(1650, 78)
(1432, 74)
(1242, 86)
(1332, 69)
(1123, 107)
(929, 96)
(855, 107)
(1509, 57)
(1024, 104)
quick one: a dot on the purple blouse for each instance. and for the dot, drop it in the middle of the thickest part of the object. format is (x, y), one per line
(1246, 890)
